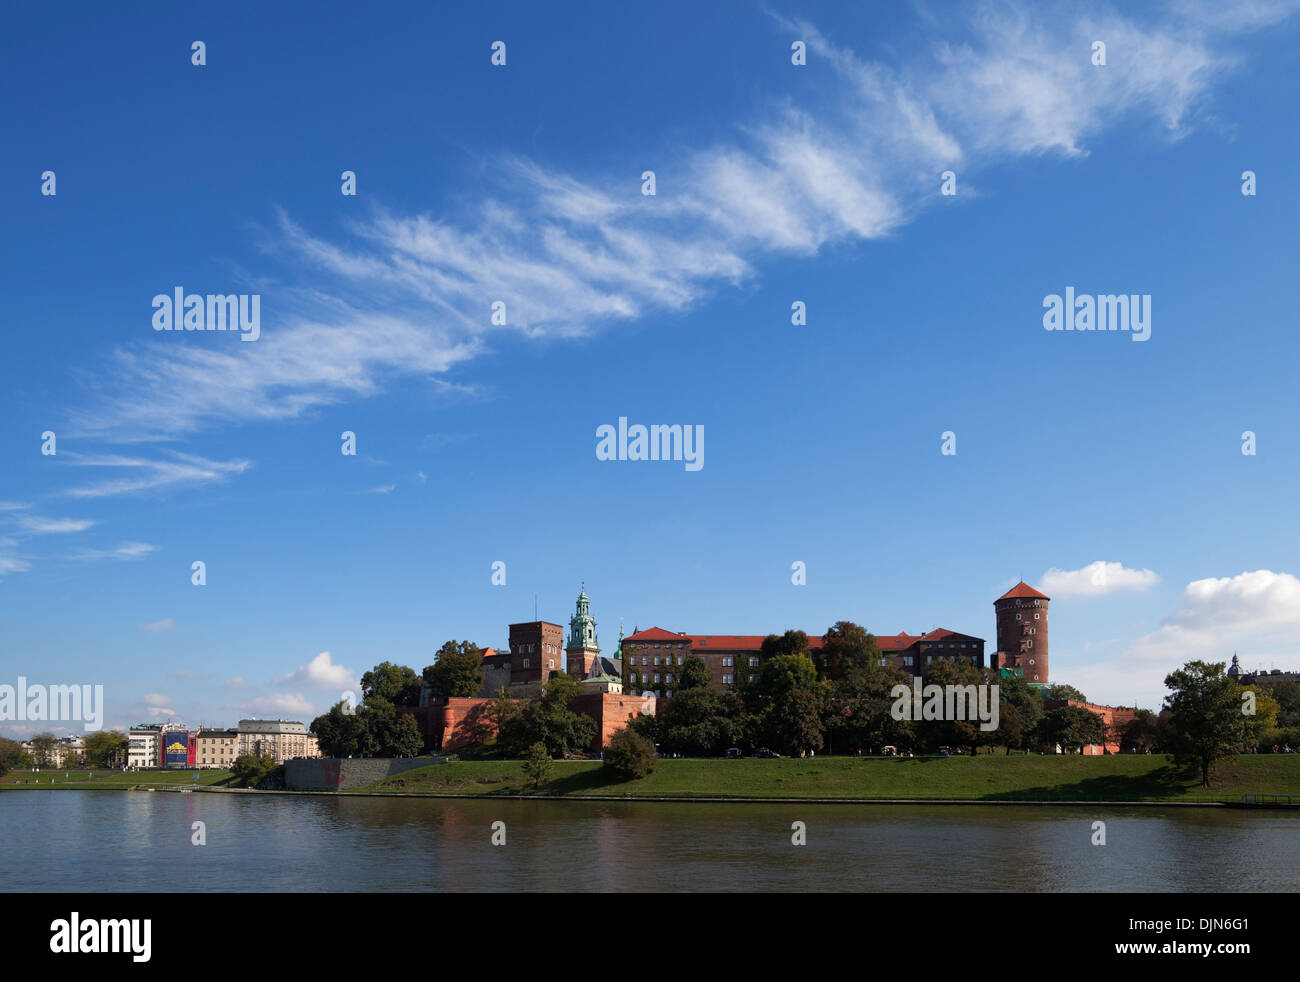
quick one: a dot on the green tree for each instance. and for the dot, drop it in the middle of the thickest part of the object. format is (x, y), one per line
(391, 733)
(846, 647)
(793, 721)
(396, 684)
(13, 756)
(856, 713)
(549, 720)
(1019, 710)
(629, 755)
(537, 766)
(1142, 732)
(43, 745)
(343, 733)
(1073, 727)
(1206, 720)
(457, 671)
(250, 770)
(698, 722)
(106, 748)
(1051, 692)
(694, 674)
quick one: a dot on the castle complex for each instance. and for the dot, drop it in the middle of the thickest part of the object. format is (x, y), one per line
(646, 665)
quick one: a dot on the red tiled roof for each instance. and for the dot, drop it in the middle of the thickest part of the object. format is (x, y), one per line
(753, 642)
(655, 634)
(1022, 590)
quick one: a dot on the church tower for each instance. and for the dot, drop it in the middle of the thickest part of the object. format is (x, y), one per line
(583, 649)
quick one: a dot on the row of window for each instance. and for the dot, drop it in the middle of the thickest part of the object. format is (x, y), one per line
(1018, 617)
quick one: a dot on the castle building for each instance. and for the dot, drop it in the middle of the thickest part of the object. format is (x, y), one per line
(584, 648)
(1021, 615)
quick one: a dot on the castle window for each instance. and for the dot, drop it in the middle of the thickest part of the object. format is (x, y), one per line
(656, 659)
(1017, 617)
(907, 660)
(1035, 617)
(669, 693)
(681, 659)
(728, 679)
(669, 679)
(1031, 661)
(551, 663)
(525, 663)
(1029, 644)
(728, 661)
(753, 661)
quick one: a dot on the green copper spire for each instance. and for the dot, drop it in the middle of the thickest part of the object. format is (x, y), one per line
(582, 626)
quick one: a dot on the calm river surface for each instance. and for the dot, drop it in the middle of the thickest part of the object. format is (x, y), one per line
(136, 841)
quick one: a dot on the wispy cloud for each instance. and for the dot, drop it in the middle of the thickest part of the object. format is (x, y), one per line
(43, 526)
(383, 489)
(411, 295)
(158, 627)
(145, 474)
(127, 550)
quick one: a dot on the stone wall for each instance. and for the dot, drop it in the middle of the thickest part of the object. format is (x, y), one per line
(335, 774)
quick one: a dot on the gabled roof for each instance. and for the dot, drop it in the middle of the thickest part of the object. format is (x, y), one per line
(655, 634)
(1021, 591)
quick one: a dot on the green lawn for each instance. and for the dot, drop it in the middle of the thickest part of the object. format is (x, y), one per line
(983, 778)
(113, 779)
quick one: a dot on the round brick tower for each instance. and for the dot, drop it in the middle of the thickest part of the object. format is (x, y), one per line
(1022, 631)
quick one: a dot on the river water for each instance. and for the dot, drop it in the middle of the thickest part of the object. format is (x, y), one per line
(138, 841)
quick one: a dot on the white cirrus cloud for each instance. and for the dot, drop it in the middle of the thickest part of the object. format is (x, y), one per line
(321, 673)
(127, 550)
(157, 627)
(145, 474)
(1096, 579)
(853, 159)
(44, 526)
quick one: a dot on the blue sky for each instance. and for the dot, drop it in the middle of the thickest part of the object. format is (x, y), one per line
(522, 183)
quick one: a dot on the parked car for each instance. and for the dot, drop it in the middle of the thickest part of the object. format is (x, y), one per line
(764, 752)
(889, 751)
(733, 752)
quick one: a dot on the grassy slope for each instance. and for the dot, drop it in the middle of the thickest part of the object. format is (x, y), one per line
(988, 778)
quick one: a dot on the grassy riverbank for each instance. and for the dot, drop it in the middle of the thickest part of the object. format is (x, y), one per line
(983, 778)
(80, 778)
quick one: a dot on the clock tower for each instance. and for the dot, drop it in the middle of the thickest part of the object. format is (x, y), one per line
(583, 648)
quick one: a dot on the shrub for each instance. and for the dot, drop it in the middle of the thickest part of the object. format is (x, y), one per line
(629, 755)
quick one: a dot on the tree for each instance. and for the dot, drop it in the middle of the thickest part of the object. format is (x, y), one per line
(392, 734)
(1073, 727)
(1062, 691)
(856, 712)
(784, 673)
(846, 647)
(1206, 715)
(538, 765)
(343, 734)
(697, 722)
(43, 745)
(694, 674)
(1019, 710)
(549, 720)
(629, 755)
(396, 684)
(250, 770)
(13, 756)
(1141, 732)
(106, 748)
(793, 721)
(457, 671)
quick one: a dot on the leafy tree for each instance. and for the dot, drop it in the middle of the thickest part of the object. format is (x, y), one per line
(344, 734)
(1019, 711)
(13, 756)
(391, 733)
(781, 674)
(789, 643)
(538, 765)
(396, 684)
(106, 748)
(458, 670)
(1142, 732)
(1073, 727)
(250, 770)
(694, 674)
(845, 647)
(1255, 725)
(43, 745)
(1206, 721)
(856, 713)
(629, 755)
(1062, 691)
(549, 720)
(1287, 694)
(953, 733)
(698, 722)
(792, 722)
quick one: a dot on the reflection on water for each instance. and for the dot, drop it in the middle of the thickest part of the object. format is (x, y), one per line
(133, 841)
